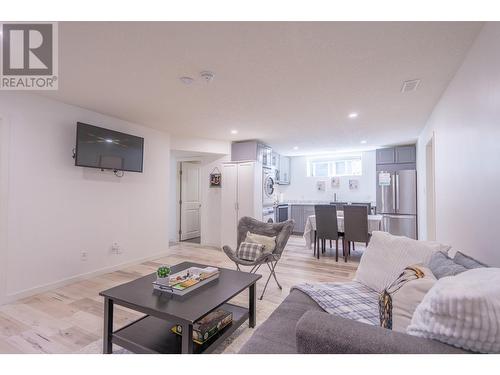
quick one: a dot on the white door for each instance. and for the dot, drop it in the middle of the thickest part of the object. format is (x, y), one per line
(246, 188)
(229, 211)
(190, 200)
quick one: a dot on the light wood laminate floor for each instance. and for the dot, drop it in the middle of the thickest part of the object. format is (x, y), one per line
(70, 319)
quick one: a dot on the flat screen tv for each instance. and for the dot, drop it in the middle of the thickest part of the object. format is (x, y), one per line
(107, 149)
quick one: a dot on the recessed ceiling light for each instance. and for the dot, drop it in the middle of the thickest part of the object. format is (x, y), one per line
(109, 140)
(296, 148)
(352, 115)
(363, 142)
(186, 80)
(234, 131)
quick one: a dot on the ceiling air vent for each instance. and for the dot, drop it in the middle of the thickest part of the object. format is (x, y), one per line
(409, 86)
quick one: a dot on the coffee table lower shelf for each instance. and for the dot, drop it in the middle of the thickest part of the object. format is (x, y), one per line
(150, 335)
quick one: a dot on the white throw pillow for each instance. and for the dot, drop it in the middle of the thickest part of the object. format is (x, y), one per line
(463, 311)
(406, 299)
(387, 256)
(268, 242)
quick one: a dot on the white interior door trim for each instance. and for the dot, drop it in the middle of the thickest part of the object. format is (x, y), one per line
(4, 201)
(430, 188)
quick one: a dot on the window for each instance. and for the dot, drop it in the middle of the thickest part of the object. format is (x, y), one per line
(335, 166)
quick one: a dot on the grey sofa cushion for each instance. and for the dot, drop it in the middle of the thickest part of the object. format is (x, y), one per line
(467, 261)
(277, 334)
(441, 265)
(322, 333)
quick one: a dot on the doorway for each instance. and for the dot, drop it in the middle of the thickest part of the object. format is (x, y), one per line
(189, 201)
(430, 189)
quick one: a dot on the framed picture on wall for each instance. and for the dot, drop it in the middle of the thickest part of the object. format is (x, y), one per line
(321, 186)
(335, 182)
(353, 184)
(215, 178)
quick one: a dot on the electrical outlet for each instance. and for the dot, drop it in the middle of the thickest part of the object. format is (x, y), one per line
(83, 256)
(115, 248)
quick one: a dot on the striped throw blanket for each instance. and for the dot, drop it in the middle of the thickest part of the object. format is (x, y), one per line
(350, 300)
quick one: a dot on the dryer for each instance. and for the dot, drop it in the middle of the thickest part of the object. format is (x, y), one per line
(268, 188)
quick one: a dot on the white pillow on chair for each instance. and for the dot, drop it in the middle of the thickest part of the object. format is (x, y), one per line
(387, 256)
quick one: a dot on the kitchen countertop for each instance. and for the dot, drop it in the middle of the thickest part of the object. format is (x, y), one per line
(312, 203)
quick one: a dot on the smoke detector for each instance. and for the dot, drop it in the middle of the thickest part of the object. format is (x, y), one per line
(207, 76)
(411, 85)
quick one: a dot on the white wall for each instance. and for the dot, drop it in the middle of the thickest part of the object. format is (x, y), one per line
(200, 145)
(303, 188)
(466, 122)
(56, 210)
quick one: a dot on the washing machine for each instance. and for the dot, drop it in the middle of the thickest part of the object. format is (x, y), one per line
(269, 191)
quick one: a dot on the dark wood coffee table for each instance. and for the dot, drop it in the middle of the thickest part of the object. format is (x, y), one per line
(152, 333)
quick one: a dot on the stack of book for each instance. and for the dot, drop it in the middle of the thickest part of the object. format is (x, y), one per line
(208, 326)
(187, 280)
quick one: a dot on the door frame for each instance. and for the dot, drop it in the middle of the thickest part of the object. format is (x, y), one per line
(4, 202)
(179, 196)
(430, 188)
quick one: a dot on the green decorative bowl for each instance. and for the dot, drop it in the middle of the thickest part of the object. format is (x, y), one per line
(163, 271)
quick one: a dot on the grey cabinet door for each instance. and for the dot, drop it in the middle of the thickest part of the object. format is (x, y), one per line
(385, 156)
(307, 211)
(284, 170)
(297, 212)
(406, 154)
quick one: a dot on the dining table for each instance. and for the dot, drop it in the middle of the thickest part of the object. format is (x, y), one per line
(374, 224)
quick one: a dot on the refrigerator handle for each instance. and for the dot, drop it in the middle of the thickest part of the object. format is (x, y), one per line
(382, 197)
(393, 193)
(397, 192)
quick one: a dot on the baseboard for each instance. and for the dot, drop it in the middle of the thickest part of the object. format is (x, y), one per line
(211, 246)
(9, 298)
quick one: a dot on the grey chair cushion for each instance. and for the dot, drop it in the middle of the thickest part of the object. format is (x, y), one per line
(467, 261)
(441, 265)
(277, 334)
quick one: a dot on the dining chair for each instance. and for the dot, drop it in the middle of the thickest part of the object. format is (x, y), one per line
(355, 226)
(368, 206)
(326, 229)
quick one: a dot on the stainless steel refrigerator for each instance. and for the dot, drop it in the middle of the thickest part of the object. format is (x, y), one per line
(397, 201)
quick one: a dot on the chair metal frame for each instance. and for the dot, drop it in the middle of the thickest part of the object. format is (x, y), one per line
(282, 231)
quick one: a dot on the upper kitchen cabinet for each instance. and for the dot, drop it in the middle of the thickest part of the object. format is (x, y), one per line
(275, 160)
(386, 156)
(251, 151)
(284, 170)
(406, 154)
(397, 155)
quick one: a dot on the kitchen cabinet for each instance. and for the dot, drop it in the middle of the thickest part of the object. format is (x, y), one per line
(397, 155)
(385, 156)
(251, 150)
(406, 154)
(275, 160)
(300, 213)
(284, 170)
